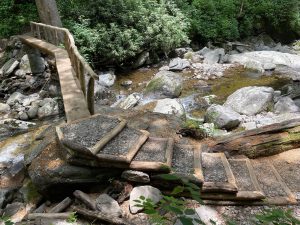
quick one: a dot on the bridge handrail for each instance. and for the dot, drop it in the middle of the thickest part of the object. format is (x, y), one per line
(58, 36)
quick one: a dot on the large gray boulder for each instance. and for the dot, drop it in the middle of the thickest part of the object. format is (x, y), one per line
(169, 106)
(285, 105)
(222, 117)
(108, 206)
(165, 84)
(215, 56)
(178, 64)
(250, 100)
(146, 191)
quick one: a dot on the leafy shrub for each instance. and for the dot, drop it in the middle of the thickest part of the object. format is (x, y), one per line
(117, 31)
(14, 17)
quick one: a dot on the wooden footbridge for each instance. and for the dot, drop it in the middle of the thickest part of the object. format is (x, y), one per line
(105, 141)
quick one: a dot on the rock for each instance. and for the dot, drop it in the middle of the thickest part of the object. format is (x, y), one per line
(126, 83)
(164, 68)
(179, 64)
(204, 51)
(179, 52)
(48, 109)
(32, 112)
(254, 65)
(4, 108)
(194, 102)
(107, 79)
(148, 192)
(45, 101)
(141, 60)
(23, 116)
(108, 206)
(277, 95)
(27, 100)
(215, 56)
(135, 176)
(165, 84)
(208, 214)
(14, 98)
(269, 66)
(131, 101)
(250, 100)
(6, 196)
(17, 124)
(169, 106)
(13, 208)
(285, 105)
(9, 67)
(222, 117)
(43, 94)
(249, 125)
(54, 90)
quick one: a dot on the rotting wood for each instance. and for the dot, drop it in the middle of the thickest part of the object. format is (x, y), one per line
(60, 207)
(62, 216)
(99, 216)
(85, 199)
(266, 141)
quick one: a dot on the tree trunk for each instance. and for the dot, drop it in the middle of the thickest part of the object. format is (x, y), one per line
(265, 141)
(48, 12)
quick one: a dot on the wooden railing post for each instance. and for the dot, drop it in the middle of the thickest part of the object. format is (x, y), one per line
(90, 95)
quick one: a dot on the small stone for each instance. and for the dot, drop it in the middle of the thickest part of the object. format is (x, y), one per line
(23, 116)
(54, 90)
(43, 93)
(178, 64)
(208, 214)
(146, 191)
(135, 176)
(169, 106)
(164, 68)
(126, 83)
(4, 108)
(286, 105)
(32, 112)
(15, 97)
(131, 101)
(108, 206)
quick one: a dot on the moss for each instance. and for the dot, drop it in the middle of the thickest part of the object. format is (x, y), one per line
(154, 85)
(191, 124)
(30, 192)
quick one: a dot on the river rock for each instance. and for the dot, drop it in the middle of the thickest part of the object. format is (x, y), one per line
(131, 101)
(141, 60)
(169, 106)
(16, 97)
(48, 109)
(126, 83)
(215, 56)
(9, 67)
(285, 105)
(16, 124)
(209, 215)
(222, 117)
(250, 100)
(135, 176)
(23, 116)
(6, 195)
(4, 108)
(30, 98)
(107, 79)
(32, 111)
(107, 205)
(53, 90)
(148, 192)
(165, 84)
(178, 64)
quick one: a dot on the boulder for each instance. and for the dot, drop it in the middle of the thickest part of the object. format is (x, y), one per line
(4, 108)
(250, 100)
(165, 84)
(215, 56)
(107, 79)
(146, 191)
(32, 112)
(141, 60)
(32, 63)
(27, 100)
(54, 90)
(48, 109)
(9, 67)
(179, 64)
(16, 97)
(169, 106)
(285, 105)
(23, 116)
(108, 206)
(126, 83)
(222, 117)
(135, 176)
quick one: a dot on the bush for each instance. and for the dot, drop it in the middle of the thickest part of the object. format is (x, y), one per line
(15, 16)
(116, 31)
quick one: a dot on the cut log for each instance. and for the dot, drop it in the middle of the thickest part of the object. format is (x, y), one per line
(85, 199)
(99, 216)
(265, 141)
(62, 216)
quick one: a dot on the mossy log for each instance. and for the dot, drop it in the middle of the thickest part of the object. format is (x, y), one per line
(265, 141)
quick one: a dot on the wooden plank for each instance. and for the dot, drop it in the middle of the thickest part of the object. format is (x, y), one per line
(218, 176)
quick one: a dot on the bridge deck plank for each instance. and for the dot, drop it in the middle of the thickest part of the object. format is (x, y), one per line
(74, 100)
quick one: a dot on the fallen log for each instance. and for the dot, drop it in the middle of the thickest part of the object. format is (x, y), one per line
(94, 215)
(60, 207)
(264, 141)
(85, 199)
(62, 216)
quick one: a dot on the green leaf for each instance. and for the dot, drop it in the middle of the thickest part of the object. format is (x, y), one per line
(186, 221)
(169, 177)
(177, 190)
(142, 197)
(189, 212)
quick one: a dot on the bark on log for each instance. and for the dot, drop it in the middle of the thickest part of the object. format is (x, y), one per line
(85, 199)
(60, 207)
(265, 141)
(62, 216)
(99, 216)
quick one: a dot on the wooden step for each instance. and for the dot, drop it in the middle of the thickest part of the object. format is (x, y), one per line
(218, 177)
(248, 187)
(154, 156)
(271, 183)
(186, 164)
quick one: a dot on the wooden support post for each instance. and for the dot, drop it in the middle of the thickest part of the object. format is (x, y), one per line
(82, 77)
(90, 95)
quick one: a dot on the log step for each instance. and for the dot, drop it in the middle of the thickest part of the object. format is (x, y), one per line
(218, 176)
(248, 187)
(276, 191)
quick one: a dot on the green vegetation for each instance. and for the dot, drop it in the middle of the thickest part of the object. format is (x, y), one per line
(15, 16)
